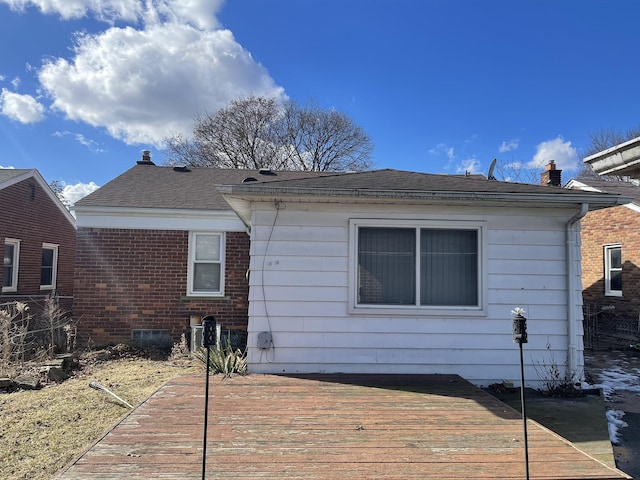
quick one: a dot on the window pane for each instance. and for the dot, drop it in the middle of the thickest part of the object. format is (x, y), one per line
(448, 267)
(47, 257)
(208, 248)
(615, 259)
(616, 280)
(7, 270)
(386, 266)
(206, 277)
(46, 271)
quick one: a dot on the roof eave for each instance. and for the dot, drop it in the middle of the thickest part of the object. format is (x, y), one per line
(622, 159)
(81, 210)
(240, 197)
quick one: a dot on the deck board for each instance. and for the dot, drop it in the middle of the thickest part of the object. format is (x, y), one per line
(330, 426)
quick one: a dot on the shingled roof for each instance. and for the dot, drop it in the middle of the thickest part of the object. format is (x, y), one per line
(7, 174)
(400, 180)
(387, 186)
(151, 186)
(379, 182)
(628, 189)
(165, 187)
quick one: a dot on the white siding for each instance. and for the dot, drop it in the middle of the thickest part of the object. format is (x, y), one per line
(300, 264)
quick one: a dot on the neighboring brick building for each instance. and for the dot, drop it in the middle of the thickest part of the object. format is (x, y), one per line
(611, 246)
(158, 249)
(39, 241)
(611, 262)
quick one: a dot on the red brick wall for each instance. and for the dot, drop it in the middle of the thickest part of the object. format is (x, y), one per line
(34, 220)
(609, 226)
(137, 279)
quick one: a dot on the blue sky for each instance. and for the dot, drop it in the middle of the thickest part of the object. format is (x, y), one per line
(441, 86)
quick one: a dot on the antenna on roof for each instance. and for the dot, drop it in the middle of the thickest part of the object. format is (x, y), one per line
(491, 167)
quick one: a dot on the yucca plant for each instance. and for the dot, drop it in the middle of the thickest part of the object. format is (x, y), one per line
(224, 359)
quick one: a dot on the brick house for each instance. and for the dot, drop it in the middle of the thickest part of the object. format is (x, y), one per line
(39, 237)
(158, 249)
(611, 259)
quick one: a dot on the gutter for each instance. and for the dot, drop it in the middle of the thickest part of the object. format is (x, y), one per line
(571, 237)
(621, 159)
(267, 192)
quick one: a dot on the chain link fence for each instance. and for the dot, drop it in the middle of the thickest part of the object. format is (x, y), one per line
(609, 326)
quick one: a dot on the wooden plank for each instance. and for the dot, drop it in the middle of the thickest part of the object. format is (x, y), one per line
(323, 427)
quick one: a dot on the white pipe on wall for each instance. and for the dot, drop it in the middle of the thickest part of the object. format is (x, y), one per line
(571, 238)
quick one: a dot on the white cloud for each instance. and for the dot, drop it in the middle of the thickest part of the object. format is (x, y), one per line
(81, 139)
(145, 85)
(509, 146)
(6, 168)
(73, 193)
(443, 148)
(21, 108)
(108, 10)
(562, 152)
(199, 13)
(470, 165)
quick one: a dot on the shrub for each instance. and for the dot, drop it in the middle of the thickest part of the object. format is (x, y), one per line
(224, 359)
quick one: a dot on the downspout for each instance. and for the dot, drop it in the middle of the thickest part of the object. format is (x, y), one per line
(571, 235)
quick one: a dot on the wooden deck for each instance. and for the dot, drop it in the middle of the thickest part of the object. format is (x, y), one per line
(330, 427)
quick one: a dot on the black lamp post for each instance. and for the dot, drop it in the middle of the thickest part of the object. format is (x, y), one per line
(520, 337)
(208, 341)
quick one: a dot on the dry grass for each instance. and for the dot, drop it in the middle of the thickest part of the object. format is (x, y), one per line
(43, 430)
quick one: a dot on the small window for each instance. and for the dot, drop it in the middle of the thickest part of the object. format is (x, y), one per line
(206, 265)
(613, 270)
(10, 265)
(418, 267)
(49, 266)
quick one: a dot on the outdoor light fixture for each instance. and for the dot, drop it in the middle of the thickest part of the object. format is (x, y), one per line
(520, 337)
(208, 341)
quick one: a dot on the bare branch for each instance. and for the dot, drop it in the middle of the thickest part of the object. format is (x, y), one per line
(258, 132)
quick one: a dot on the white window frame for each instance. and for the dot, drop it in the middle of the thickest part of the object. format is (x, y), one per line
(607, 249)
(16, 264)
(54, 269)
(192, 261)
(417, 310)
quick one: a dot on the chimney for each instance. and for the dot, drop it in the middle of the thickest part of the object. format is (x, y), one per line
(146, 158)
(551, 176)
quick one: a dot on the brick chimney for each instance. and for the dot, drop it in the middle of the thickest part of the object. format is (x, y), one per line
(146, 158)
(551, 176)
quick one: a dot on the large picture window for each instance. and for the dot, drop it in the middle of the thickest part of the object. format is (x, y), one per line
(420, 267)
(49, 266)
(10, 265)
(206, 264)
(613, 270)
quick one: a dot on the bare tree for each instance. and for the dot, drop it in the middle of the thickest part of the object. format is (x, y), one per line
(601, 140)
(606, 138)
(516, 172)
(325, 140)
(258, 132)
(58, 188)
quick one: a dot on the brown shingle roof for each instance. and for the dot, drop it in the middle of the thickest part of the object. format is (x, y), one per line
(150, 186)
(399, 180)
